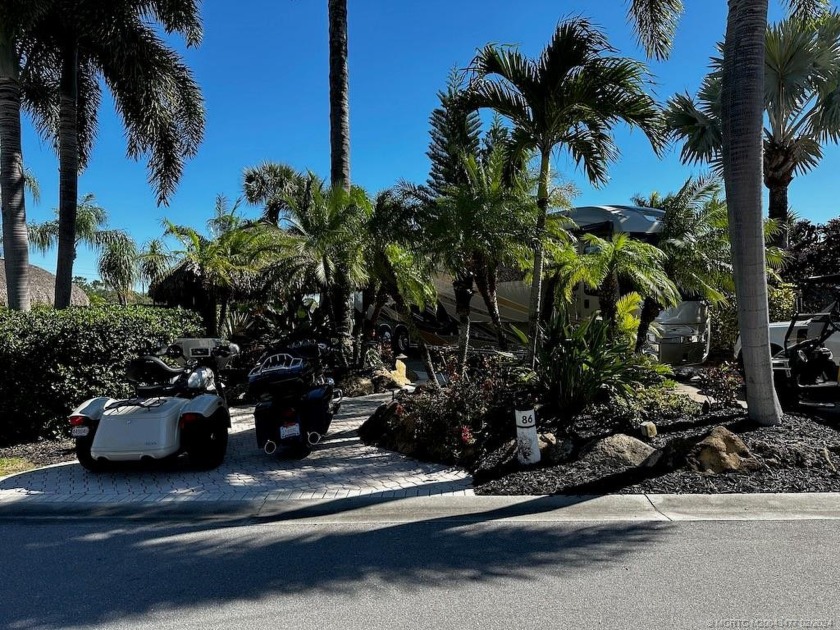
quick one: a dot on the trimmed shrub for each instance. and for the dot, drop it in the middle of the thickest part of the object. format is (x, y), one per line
(53, 360)
(782, 303)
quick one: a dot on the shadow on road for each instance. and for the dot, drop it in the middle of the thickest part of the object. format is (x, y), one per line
(97, 571)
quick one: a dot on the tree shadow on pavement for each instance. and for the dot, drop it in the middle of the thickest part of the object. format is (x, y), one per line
(107, 570)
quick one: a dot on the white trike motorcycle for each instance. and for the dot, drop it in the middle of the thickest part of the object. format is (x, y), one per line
(174, 410)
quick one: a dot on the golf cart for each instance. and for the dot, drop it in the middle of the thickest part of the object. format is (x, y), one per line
(805, 370)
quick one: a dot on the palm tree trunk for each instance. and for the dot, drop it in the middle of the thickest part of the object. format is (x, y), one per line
(378, 305)
(485, 281)
(608, 297)
(462, 287)
(650, 310)
(339, 96)
(536, 282)
(779, 212)
(742, 107)
(15, 234)
(68, 150)
(779, 164)
(343, 306)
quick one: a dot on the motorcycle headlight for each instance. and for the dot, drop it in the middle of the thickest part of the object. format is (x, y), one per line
(200, 378)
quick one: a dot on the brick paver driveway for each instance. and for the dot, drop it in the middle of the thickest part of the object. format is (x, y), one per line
(340, 466)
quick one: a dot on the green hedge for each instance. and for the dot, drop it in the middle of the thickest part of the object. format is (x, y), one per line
(782, 303)
(51, 360)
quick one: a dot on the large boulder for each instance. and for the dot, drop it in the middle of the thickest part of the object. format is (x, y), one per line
(619, 451)
(721, 451)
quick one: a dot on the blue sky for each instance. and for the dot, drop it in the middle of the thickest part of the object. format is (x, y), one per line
(263, 67)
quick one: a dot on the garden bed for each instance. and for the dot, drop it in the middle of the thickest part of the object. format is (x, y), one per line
(800, 455)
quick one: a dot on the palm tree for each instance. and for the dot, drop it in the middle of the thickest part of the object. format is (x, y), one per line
(76, 44)
(801, 102)
(16, 18)
(118, 267)
(116, 251)
(607, 265)
(741, 111)
(397, 268)
(571, 97)
(339, 96)
(224, 262)
(695, 241)
(478, 226)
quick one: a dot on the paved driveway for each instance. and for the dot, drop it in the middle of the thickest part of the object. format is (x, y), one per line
(341, 466)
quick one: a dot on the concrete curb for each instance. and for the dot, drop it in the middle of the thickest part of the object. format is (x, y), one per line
(361, 509)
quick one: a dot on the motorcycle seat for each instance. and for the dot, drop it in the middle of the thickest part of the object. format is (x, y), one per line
(150, 370)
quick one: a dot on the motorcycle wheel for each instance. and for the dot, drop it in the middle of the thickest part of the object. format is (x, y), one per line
(86, 459)
(208, 447)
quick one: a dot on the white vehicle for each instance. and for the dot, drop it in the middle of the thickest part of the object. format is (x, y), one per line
(806, 329)
(174, 410)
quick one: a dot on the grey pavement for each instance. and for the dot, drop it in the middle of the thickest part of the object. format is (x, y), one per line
(339, 467)
(345, 481)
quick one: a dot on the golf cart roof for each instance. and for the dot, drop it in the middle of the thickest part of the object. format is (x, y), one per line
(632, 219)
(832, 278)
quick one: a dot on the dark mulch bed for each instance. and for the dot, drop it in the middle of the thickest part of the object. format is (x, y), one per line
(800, 455)
(43, 452)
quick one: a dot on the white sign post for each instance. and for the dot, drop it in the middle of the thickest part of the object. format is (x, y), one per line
(527, 442)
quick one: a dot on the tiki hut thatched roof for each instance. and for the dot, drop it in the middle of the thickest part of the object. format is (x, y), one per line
(182, 287)
(41, 288)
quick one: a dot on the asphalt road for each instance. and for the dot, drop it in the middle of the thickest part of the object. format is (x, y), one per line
(437, 573)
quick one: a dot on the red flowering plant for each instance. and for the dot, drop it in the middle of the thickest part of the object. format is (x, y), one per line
(470, 417)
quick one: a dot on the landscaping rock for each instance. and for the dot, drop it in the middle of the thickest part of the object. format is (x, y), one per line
(721, 451)
(354, 385)
(554, 451)
(648, 429)
(389, 428)
(497, 464)
(619, 450)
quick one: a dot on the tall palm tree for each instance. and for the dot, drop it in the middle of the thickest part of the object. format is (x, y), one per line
(801, 100)
(339, 96)
(570, 97)
(79, 42)
(16, 19)
(741, 113)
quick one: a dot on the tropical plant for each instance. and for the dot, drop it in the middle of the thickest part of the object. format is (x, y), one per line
(695, 242)
(225, 262)
(571, 97)
(607, 265)
(584, 363)
(79, 44)
(741, 113)
(118, 267)
(801, 100)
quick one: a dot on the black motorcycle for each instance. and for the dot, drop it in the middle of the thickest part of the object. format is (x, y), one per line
(296, 399)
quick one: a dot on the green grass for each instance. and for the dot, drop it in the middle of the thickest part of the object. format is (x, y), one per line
(11, 465)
